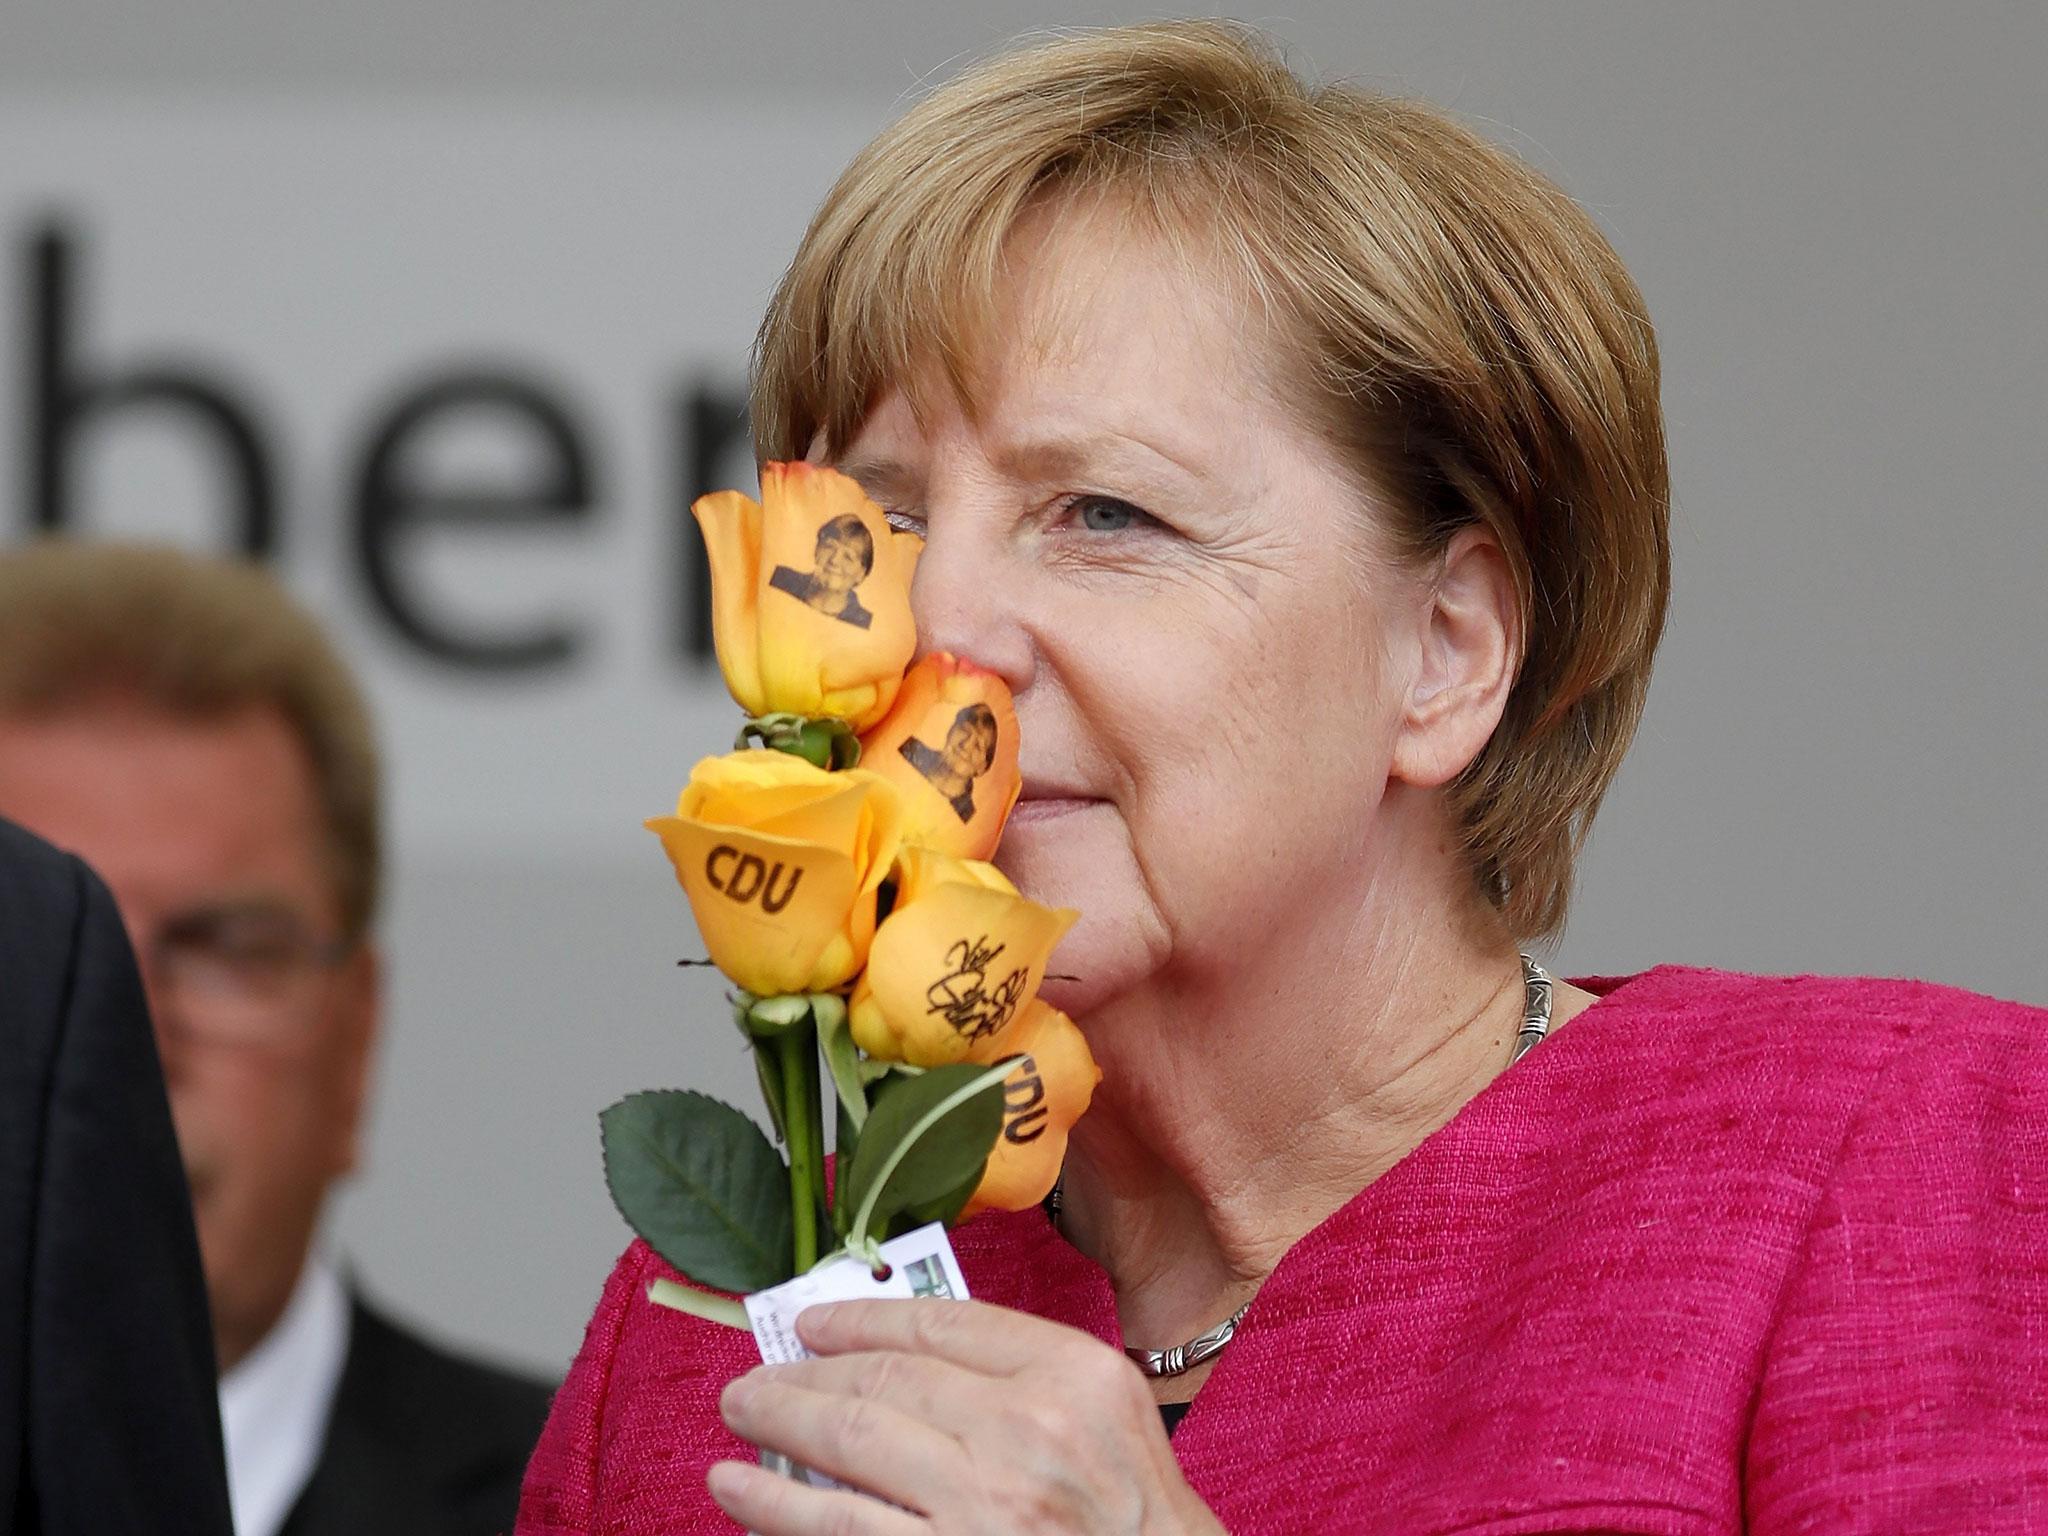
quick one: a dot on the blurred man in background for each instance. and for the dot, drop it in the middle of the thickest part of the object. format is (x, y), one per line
(185, 728)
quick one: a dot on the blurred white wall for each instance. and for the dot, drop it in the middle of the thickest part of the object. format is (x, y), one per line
(1836, 211)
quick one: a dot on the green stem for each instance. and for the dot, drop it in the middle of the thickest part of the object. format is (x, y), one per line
(857, 1236)
(822, 741)
(814, 1110)
(797, 1049)
(714, 1309)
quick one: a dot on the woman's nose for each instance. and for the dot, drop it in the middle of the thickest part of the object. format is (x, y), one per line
(967, 603)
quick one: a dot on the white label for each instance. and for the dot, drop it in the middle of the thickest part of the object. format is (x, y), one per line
(920, 1263)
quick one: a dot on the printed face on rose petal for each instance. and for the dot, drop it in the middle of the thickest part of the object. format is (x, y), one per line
(970, 745)
(810, 596)
(949, 743)
(844, 558)
(969, 750)
(1178, 579)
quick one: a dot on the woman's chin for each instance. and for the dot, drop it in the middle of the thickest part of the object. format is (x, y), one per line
(1074, 997)
(1078, 854)
(1096, 963)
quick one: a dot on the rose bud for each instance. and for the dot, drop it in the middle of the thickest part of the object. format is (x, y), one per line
(957, 959)
(781, 862)
(949, 743)
(1046, 1092)
(810, 596)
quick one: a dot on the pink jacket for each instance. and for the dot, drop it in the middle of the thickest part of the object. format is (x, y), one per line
(1727, 1254)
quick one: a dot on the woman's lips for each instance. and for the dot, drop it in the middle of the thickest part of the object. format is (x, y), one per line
(1036, 808)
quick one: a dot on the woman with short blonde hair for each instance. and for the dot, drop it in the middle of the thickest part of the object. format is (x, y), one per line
(1460, 330)
(1295, 456)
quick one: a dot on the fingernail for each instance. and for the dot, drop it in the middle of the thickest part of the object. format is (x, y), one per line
(726, 1480)
(737, 1394)
(813, 1321)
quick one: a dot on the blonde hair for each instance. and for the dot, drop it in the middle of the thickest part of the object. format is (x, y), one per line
(1455, 324)
(196, 638)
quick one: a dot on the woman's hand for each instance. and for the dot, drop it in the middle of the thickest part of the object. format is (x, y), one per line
(971, 1417)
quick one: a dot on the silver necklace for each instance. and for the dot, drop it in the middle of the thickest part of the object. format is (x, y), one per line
(1538, 990)
(1181, 1358)
(1203, 1347)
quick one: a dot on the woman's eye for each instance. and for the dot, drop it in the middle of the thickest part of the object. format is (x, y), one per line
(1105, 514)
(904, 522)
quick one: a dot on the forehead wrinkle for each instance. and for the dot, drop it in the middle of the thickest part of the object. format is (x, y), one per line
(1059, 284)
(874, 473)
(1054, 457)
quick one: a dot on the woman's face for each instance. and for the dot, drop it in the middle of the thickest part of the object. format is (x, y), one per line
(839, 565)
(1176, 579)
(969, 746)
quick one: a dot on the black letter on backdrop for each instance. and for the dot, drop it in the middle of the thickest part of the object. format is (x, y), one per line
(59, 400)
(714, 422)
(387, 509)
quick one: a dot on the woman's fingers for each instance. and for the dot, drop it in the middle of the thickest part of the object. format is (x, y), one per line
(971, 1417)
(771, 1505)
(859, 1440)
(992, 1340)
(932, 1391)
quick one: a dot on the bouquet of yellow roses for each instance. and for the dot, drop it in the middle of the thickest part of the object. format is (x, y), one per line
(835, 864)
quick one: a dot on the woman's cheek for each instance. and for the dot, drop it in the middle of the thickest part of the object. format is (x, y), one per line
(1121, 937)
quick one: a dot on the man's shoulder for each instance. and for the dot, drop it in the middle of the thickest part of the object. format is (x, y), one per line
(24, 855)
(422, 1439)
(42, 889)
(56, 919)
(420, 1387)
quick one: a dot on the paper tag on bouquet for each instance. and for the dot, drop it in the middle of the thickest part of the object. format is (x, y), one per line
(919, 1263)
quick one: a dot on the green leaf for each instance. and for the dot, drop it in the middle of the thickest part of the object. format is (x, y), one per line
(699, 1181)
(945, 1209)
(946, 1143)
(842, 1057)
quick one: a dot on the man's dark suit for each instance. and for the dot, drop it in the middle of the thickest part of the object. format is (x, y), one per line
(421, 1442)
(109, 1421)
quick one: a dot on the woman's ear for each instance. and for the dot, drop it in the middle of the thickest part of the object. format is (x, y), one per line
(1471, 651)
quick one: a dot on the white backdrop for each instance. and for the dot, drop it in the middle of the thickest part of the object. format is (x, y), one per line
(1838, 226)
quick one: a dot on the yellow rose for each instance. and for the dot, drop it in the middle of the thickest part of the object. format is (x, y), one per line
(957, 959)
(810, 596)
(949, 743)
(1046, 1092)
(781, 862)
